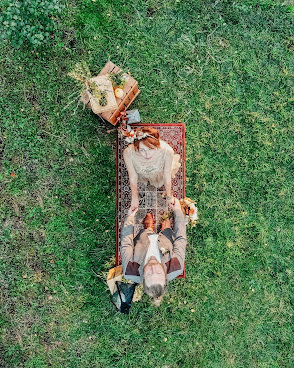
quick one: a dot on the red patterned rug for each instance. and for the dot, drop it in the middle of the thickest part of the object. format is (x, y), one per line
(151, 199)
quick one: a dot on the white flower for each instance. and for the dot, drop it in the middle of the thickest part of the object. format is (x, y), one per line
(194, 212)
(190, 210)
(129, 140)
(129, 134)
(139, 135)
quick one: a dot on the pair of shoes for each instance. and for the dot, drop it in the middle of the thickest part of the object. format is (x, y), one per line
(148, 222)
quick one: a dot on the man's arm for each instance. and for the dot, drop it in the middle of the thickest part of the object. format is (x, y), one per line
(180, 242)
(127, 240)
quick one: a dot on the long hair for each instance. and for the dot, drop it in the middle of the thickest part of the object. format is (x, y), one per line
(150, 142)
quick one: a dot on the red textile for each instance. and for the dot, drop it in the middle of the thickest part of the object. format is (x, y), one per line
(150, 197)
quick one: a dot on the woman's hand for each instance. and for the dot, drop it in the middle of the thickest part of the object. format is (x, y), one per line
(132, 212)
(170, 200)
(134, 204)
(175, 205)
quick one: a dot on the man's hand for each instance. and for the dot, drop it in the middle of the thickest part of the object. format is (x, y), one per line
(175, 206)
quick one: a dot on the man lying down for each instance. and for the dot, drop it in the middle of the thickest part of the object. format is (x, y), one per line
(154, 259)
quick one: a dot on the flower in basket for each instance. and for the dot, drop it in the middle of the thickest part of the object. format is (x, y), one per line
(118, 80)
(96, 89)
(82, 74)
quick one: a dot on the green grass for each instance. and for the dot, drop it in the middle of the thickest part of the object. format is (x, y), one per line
(226, 70)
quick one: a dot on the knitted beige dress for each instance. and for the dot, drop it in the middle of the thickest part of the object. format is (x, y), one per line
(152, 170)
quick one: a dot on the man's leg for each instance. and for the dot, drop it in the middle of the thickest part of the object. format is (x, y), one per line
(148, 226)
(166, 230)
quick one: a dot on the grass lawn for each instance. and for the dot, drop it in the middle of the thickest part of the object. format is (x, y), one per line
(226, 70)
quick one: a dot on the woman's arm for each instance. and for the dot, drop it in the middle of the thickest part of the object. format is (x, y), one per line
(167, 173)
(133, 178)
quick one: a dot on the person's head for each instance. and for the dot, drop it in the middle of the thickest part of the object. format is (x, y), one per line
(147, 146)
(154, 280)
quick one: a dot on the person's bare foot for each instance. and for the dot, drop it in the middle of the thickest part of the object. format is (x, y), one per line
(165, 224)
(148, 221)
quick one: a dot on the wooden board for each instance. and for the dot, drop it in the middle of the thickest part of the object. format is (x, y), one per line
(131, 91)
